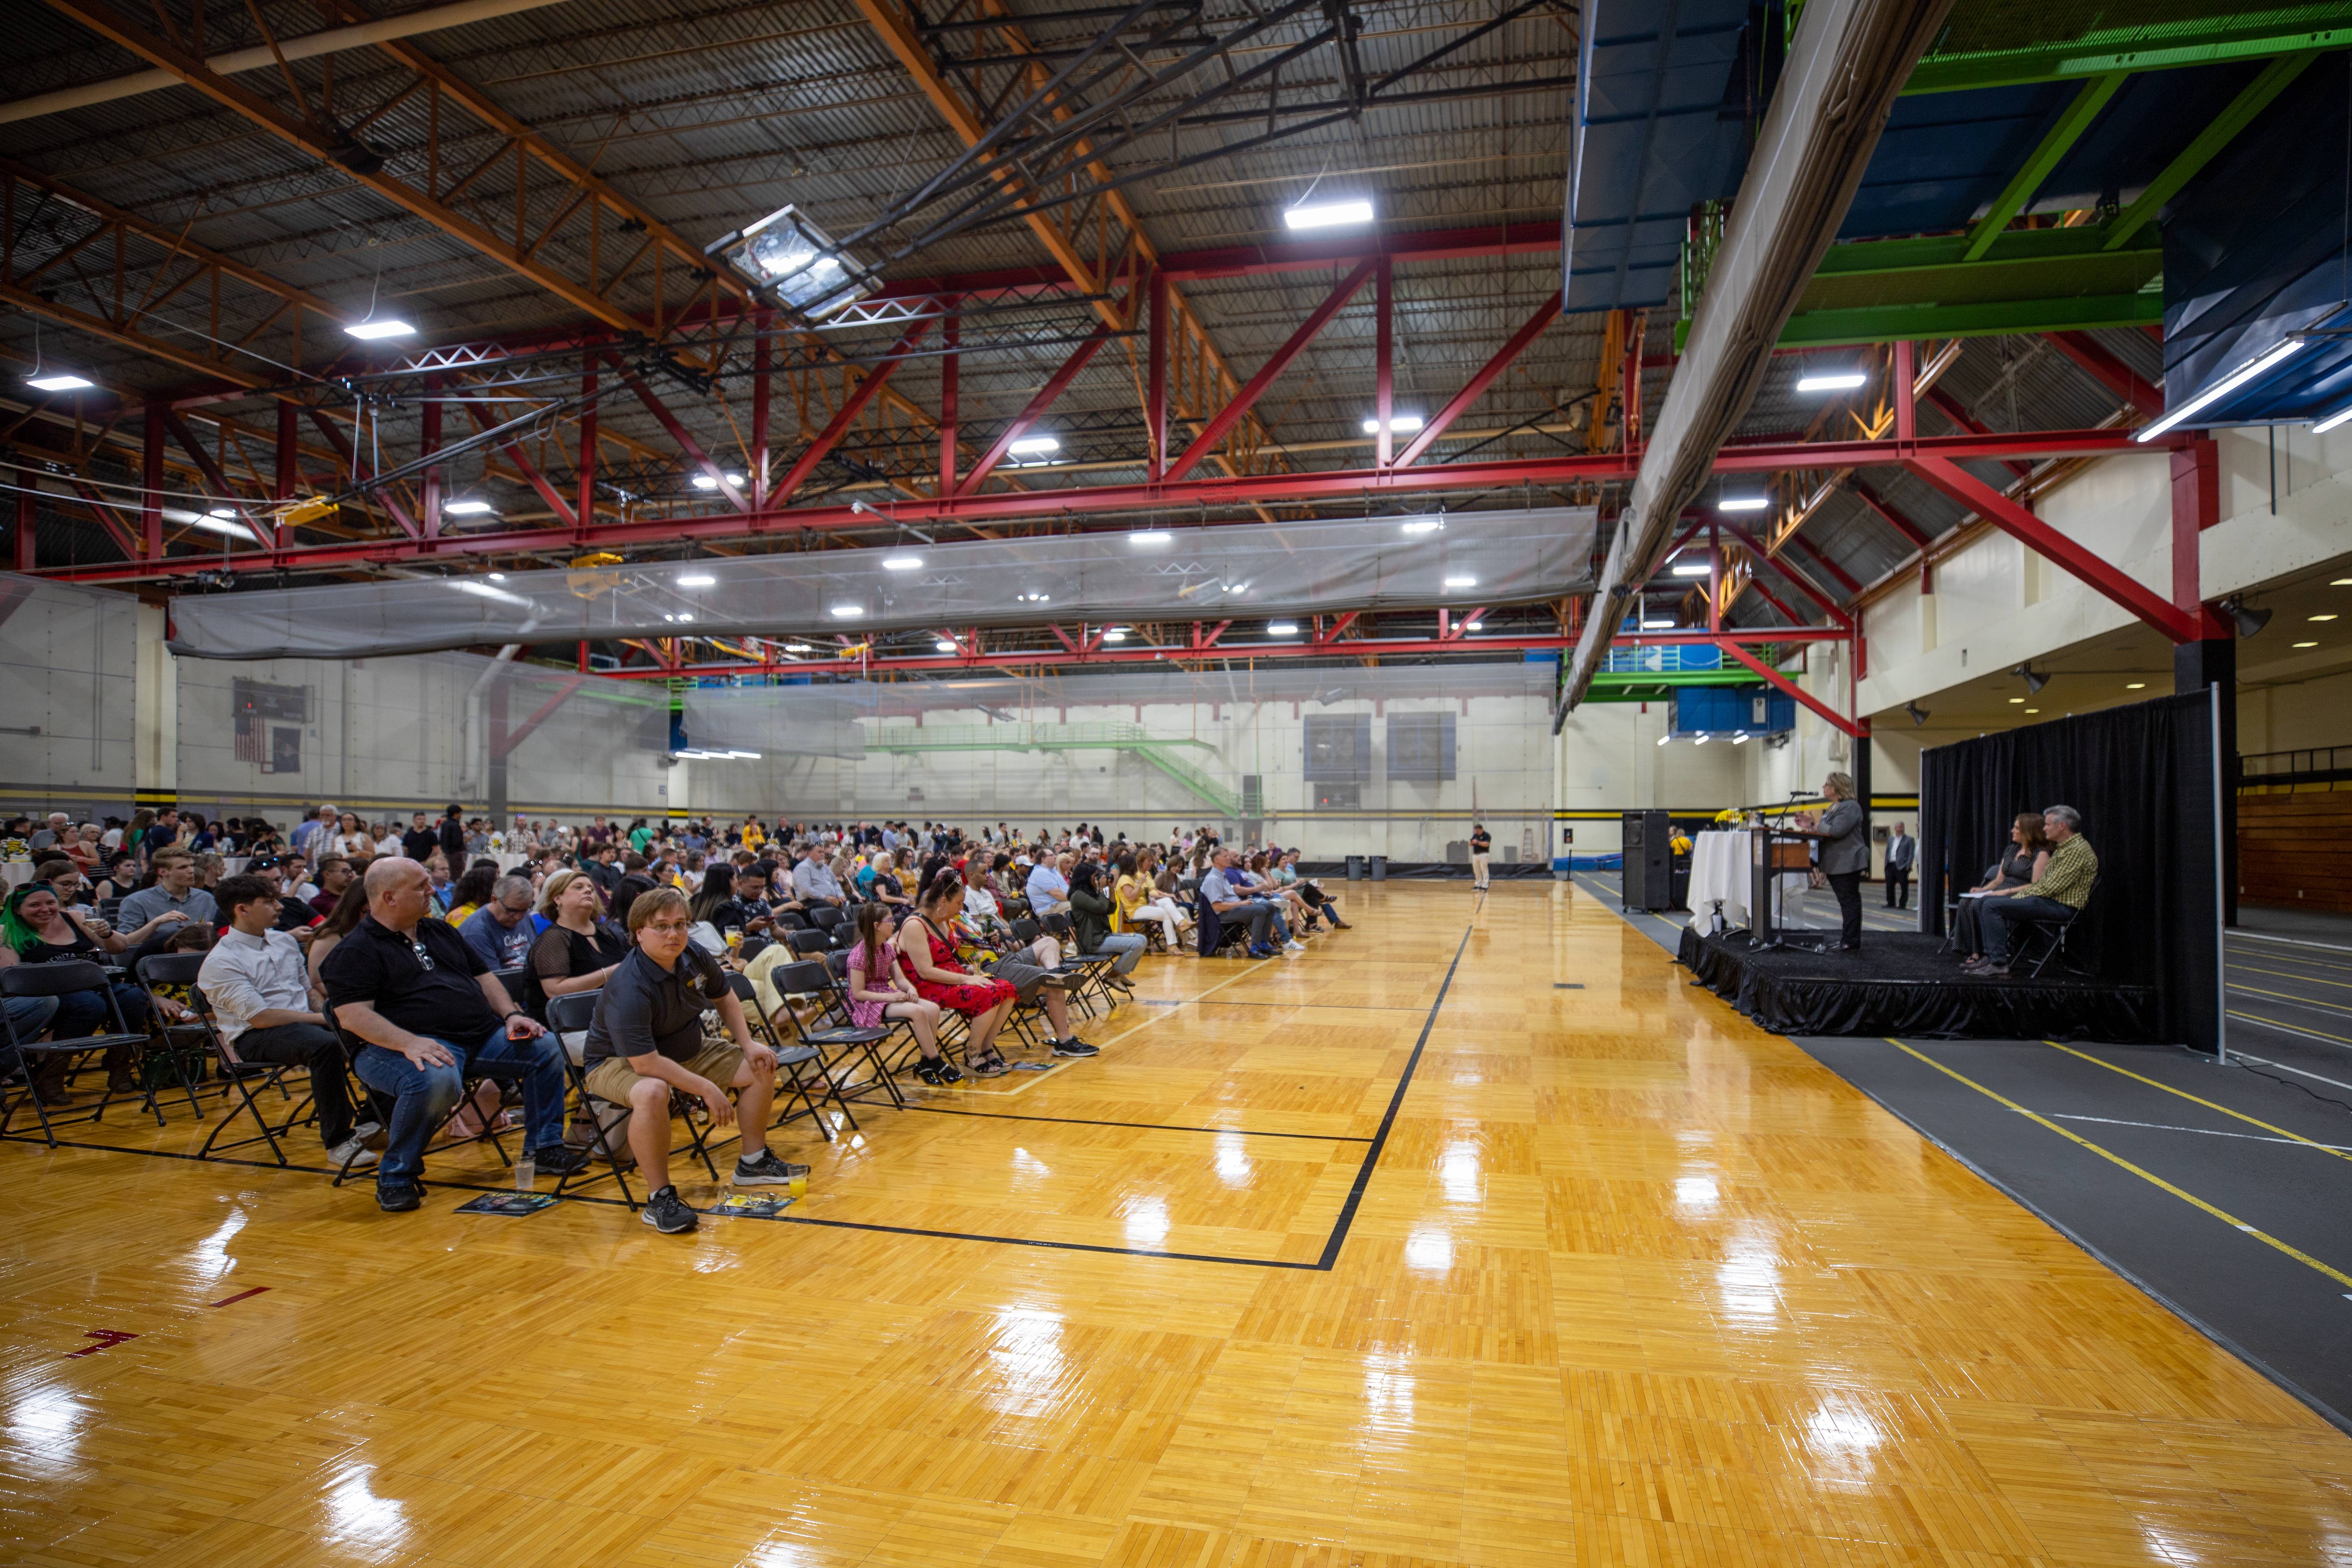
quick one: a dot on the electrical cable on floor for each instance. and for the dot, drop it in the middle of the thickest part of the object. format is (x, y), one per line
(2241, 1063)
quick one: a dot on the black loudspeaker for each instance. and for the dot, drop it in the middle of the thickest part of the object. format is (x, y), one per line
(1648, 840)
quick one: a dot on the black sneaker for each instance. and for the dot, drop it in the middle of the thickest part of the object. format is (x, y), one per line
(937, 1070)
(668, 1212)
(559, 1160)
(766, 1171)
(1074, 1046)
(398, 1197)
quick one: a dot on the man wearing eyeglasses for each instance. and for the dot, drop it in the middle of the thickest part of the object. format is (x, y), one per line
(646, 1043)
(431, 1012)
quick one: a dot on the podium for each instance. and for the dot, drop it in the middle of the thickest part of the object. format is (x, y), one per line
(1773, 854)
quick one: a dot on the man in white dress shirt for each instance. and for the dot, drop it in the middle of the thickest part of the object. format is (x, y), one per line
(259, 985)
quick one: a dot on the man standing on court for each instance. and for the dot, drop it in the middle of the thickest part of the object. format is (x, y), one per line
(1482, 845)
(1902, 849)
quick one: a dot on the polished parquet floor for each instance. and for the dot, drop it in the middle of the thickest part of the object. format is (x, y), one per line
(1473, 1236)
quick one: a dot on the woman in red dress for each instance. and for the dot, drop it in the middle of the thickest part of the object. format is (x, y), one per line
(924, 940)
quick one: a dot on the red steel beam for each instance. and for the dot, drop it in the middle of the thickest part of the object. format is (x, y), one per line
(1794, 579)
(1844, 578)
(529, 472)
(1189, 496)
(1230, 414)
(2181, 625)
(1528, 333)
(360, 471)
(122, 538)
(26, 504)
(515, 737)
(206, 465)
(852, 407)
(1950, 407)
(1055, 385)
(2108, 371)
(679, 433)
(1895, 519)
(1789, 686)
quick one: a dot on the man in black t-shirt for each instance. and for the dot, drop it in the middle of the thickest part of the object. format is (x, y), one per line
(419, 842)
(645, 1042)
(1482, 845)
(430, 1012)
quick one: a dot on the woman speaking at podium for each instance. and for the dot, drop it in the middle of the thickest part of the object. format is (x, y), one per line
(1845, 855)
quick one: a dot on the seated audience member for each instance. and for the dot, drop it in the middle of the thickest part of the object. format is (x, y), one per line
(714, 904)
(351, 840)
(881, 987)
(430, 1011)
(68, 882)
(928, 940)
(1092, 909)
(814, 881)
(1139, 902)
(1256, 875)
(174, 892)
(1265, 922)
(646, 1041)
(264, 1004)
(2028, 854)
(603, 869)
(347, 913)
(1311, 891)
(293, 914)
(500, 932)
(36, 929)
(439, 887)
(981, 910)
(2057, 895)
(1047, 889)
(634, 881)
(579, 950)
(471, 892)
(884, 885)
(84, 849)
(335, 874)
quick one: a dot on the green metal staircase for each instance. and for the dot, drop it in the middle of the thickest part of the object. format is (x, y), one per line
(1161, 752)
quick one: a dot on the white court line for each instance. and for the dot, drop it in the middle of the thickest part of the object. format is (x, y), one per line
(2289, 941)
(2207, 1132)
(2316, 1077)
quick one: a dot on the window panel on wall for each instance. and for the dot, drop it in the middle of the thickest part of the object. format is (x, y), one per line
(1339, 747)
(1420, 747)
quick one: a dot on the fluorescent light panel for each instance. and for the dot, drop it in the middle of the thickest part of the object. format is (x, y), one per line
(368, 331)
(1743, 503)
(58, 381)
(1328, 214)
(1398, 423)
(1029, 445)
(1839, 381)
(2220, 389)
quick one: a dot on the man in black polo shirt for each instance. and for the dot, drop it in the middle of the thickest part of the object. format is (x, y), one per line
(419, 842)
(603, 870)
(646, 1040)
(430, 1010)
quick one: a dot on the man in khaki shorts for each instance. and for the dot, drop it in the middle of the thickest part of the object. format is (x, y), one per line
(647, 1040)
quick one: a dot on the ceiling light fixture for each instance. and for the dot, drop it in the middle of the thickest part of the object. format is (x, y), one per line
(1663, 739)
(2220, 389)
(2306, 645)
(2326, 618)
(796, 263)
(498, 576)
(1740, 739)
(944, 646)
(1148, 536)
(2017, 699)
(1657, 626)
(467, 509)
(1691, 568)
(1425, 525)
(847, 612)
(2135, 686)
(1462, 581)
(698, 580)
(1839, 381)
(58, 381)
(2035, 680)
(798, 647)
(1476, 625)
(1114, 635)
(1029, 445)
(2333, 420)
(369, 331)
(1398, 423)
(1918, 715)
(1282, 628)
(1743, 503)
(1327, 215)
(904, 560)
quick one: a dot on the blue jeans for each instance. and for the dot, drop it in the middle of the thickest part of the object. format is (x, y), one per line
(29, 1016)
(1130, 948)
(84, 1012)
(423, 1097)
(1997, 915)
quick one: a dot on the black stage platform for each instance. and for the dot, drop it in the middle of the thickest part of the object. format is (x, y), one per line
(1902, 984)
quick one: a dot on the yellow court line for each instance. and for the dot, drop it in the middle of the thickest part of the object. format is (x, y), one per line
(2249, 1121)
(2150, 1177)
(2290, 974)
(2290, 997)
(2291, 1028)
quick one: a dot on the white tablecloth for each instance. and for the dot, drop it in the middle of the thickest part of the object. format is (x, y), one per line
(1718, 871)
(16, 872)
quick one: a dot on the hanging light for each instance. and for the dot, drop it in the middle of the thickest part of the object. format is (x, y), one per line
(467, 509)
(2220, 389)
(1399, 425)
(1029, 446)
(903, 561)
(1837, 381)
(1743, 503)
(1328, 214)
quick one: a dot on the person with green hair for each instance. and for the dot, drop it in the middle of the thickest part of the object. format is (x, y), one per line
(34, 928)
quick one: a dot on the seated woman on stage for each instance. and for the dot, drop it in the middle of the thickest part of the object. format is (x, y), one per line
(2028, 854)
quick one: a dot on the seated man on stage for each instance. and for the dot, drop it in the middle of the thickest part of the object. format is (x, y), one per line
(427, 1008)
(2057, 895)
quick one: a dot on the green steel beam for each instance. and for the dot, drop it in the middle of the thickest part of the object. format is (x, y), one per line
(2209, 142)
(2165, 46)
(1657, 685)
(2044, 158)
(1897, 323)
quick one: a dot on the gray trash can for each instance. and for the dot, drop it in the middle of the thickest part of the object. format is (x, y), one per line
(1379, 868)
(1355, 867)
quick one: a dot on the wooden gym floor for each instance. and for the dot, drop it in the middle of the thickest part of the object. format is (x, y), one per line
(1474, 1236)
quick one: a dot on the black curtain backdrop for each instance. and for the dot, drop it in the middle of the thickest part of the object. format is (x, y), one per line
(2143, 779)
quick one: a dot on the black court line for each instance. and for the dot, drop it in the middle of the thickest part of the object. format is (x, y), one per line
(1323, 1265)
(1146, 1126)
(1317, 1007)
(426, 1182)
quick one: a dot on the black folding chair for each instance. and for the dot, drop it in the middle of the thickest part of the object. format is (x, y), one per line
(571, 1015)
(237, 1078)
(833, 923)
(60, 980)
(150, 971)
(810, 943)
(833, 1040)
(2053, 935)
(792, 1086)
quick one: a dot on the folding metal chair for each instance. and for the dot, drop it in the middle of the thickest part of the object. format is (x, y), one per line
(237, 1076)
(835, 1036)
(2053, 934)
(792, 1086)
(835, 923)
(61, 979)
(569, 1016)
(156, 969)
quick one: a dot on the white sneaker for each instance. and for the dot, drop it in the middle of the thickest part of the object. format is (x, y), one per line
(1293, 945)
(351, 1154)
